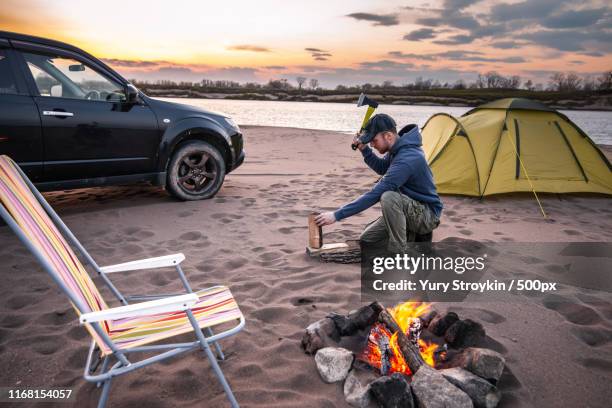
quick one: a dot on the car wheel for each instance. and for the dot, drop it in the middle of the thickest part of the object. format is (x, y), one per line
(196, 171)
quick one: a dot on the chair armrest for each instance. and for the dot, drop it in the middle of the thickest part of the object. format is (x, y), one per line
(165, 305)
(149, 263)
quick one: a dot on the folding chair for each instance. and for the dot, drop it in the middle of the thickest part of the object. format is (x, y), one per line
(118, 331)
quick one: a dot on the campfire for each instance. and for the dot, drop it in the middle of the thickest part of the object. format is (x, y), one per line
(409, 354)
(383, 351)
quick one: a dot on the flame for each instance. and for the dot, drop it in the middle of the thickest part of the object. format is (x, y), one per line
(403, 314)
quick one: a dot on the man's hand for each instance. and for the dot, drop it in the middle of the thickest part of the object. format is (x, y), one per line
(326, 218)
(360, 146)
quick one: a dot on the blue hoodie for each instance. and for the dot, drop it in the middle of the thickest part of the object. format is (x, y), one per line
(404, 169)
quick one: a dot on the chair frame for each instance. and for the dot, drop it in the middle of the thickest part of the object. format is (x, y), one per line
(153, 304)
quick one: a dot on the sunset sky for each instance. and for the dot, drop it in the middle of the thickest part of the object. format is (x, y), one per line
(337, 42)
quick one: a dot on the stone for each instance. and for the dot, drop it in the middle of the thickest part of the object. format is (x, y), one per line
(355, 394)
(485, 363)
(333, 363)
(432, 390)
(319, 334)
(440, 324)
(392, 392)
(464, 333)
(483, 393)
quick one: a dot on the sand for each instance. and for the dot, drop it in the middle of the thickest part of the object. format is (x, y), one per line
(251, 236)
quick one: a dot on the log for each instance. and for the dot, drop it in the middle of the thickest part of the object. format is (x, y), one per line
(411, 352)
(315, 233)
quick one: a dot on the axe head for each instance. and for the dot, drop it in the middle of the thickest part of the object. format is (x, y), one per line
(364, 100)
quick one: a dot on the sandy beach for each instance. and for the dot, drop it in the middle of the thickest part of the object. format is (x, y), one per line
(251, 237)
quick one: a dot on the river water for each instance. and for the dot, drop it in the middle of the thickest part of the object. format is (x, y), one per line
(346, 117)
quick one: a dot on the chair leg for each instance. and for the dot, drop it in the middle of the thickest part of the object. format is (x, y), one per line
(220, 354)
(220, 376)
(213, 360)
(104, 394)
(103, 370)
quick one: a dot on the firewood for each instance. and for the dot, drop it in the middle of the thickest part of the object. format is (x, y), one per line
(315, 233)
(410, 351)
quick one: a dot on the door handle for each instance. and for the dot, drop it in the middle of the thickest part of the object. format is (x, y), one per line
(60, 114)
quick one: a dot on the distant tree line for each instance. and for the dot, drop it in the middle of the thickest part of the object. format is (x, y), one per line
(558, 82)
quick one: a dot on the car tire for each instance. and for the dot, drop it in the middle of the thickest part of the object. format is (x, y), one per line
(196, 171)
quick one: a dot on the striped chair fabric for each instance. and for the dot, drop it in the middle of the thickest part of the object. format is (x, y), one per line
(215, 305)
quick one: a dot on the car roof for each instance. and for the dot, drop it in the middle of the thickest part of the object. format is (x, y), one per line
(53, 43)
(39, 40)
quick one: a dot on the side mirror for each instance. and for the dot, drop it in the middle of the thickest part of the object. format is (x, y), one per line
(131, 94)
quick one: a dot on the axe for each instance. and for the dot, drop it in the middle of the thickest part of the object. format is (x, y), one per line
(372, 105)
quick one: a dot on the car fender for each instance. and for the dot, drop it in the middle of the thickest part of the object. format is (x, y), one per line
(185, 129)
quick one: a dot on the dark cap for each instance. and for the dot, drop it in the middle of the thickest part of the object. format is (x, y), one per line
(377, 123)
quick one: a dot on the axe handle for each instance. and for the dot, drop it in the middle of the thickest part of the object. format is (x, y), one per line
(367, 117)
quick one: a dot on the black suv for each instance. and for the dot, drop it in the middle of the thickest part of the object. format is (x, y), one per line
(71, 121)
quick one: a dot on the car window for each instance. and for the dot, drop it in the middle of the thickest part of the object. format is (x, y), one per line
(58, 76)
(7, 80)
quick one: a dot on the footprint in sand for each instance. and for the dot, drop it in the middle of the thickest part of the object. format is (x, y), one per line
(289, 230)
(20, 301)
(597, 364)
(571, 310)
(191, 236)
(572, 232)
(592, 336)
(465, 232)
(13, 321)
(184, 214)
(301, 301)
(56, 318)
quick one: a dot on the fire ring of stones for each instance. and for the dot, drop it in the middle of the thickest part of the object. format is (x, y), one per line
(408, 356)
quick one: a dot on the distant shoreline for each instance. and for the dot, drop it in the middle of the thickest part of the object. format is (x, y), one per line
(463, 98)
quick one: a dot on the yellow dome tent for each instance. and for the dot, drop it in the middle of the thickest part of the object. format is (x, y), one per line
(513, 145)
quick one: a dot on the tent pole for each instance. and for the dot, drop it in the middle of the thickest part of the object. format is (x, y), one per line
(518, 156)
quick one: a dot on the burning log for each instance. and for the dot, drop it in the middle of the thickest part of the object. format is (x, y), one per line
(385, 355)
(414, 331)
(410, 351)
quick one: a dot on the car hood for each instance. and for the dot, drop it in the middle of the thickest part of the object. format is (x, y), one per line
(181, 109)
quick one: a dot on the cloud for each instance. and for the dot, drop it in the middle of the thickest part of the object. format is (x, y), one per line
(456, 40)
(525, 10)
(568, 40)
(420, 34)
(505, 45)
(400, 54)
(458, 55)
(450, 5)
(386, 64)
(319, 54)
(275, 67)
(449, 18)
(248, 47)
(134, 63)
(593, 54)
(377, 19)
(574, 18)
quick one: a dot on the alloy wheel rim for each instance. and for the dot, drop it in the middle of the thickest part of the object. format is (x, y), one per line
(196, 172)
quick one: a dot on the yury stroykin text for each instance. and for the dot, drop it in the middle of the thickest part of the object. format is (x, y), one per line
(459, 285)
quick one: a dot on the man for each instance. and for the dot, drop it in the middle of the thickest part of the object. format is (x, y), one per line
(411, 207)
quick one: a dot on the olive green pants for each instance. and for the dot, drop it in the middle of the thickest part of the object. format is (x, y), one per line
(402, 218)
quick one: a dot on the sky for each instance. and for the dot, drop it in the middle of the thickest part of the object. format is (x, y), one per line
(336, 42)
